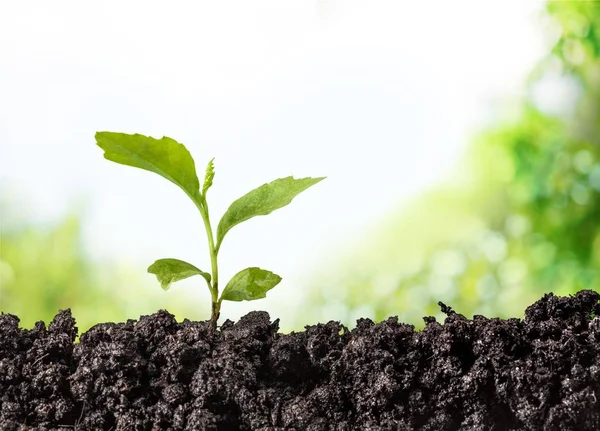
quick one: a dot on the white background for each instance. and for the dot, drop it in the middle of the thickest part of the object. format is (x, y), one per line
(379, 96)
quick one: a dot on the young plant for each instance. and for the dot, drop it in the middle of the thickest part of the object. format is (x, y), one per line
(171, 160)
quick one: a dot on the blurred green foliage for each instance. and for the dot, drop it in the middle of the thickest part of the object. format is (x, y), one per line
(520, 218)
(45, 268)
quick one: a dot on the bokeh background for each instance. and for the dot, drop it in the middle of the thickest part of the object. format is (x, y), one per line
(461, 142)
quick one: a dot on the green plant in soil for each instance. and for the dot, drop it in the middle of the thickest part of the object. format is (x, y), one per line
(171, 160)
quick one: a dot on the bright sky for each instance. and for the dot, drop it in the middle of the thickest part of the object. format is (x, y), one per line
(379, 96)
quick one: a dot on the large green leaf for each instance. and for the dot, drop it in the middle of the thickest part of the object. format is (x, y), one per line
(249, 284)
(166, 157)
(262, 201)
(168, 271)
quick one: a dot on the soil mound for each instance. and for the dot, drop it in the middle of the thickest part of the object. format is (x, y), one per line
(540, 373)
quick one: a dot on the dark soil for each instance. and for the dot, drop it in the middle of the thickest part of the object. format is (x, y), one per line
(542, 373)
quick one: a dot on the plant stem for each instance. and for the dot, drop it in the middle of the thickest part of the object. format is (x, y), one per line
(214, 290)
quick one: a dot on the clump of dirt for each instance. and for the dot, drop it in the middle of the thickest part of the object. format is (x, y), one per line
(542, 373)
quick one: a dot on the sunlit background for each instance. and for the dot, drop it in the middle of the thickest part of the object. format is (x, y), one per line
(460, 141)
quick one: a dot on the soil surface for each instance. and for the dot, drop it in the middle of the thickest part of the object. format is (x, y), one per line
(541, 373)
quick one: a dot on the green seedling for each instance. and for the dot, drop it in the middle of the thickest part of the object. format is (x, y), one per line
(171, 160)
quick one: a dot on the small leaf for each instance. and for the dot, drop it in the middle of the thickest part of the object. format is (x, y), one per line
(168, 271)
(208, 177)
(262, 201)
(166, 157)
(249, 284)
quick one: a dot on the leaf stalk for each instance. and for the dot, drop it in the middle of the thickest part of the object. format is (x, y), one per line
(214, 283)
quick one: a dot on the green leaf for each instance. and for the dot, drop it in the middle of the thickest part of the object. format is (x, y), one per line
(208, 177)
(168, 271)
(249, 284)
(166, 157)
(262, 201)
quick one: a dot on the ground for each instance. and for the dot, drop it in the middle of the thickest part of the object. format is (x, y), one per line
(540, 373)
